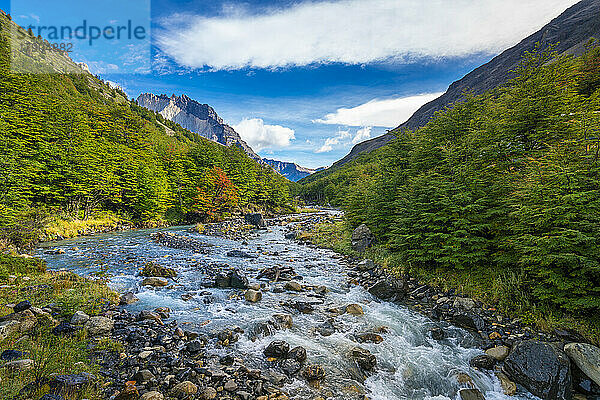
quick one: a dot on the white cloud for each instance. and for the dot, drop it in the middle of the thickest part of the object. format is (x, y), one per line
(352, 31)
(344, 137)
(362, 135)
(385, 113)
(260, 136)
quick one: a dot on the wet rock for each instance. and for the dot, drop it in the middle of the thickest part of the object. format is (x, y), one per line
(369, 337)
(499, 352)
(354, 309)
(238, 280)
(508, 387)
(483, 361)
(194, 346)
(98, 326)
(437, 333)
(303, 307)
(587, 359)
(277, 273)
(277, 349)
(327, 328)
(292, 235)
(163, 312)
(240, 254)
(222, 281)
(541, 368)
(293, 286)
(362, 238)
(298, 353)
(152, 269)
(19, 365)
(79, 318)
(155, 282)
(282, 321)
(152, 396)
(22, 306)
(184, 389)
(11, 355)
(146, 315)
(65, 329)
(470, 394)
(314, 373)
(365, 360)
(389, 289)
(127, 299)
(49, 396)
(255, 219)
(468, 321)
(291, 367)
(252, 296)
(227, 337)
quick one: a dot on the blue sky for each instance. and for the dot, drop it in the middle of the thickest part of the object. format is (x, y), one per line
(300, 80)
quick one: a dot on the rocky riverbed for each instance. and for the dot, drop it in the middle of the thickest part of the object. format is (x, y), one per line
(264, 316)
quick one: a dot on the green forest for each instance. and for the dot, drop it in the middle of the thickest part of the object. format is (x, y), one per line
(505, 185)
(72, 147)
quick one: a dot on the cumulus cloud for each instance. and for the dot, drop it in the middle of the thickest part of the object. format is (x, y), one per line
(260, 136)
(352, 31)
(362, 135)
(343, 138)
(385, 113)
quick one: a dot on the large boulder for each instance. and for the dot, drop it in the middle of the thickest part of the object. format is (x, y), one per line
(587, 358)
(362, 238)
(155, 282)
(255, 219)
(541, 368)
(363, 357)
(389, 289)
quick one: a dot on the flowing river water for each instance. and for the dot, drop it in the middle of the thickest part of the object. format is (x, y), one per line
(410, 364)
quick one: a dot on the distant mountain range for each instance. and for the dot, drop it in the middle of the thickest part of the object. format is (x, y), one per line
(292, 171)
(570, 32)
(203, 120)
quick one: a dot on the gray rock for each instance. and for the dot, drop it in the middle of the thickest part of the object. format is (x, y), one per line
(19, 365)
(239, 280)
(587, 358)
(98, 326)
(499, 352)
(464, 303)
(362, 238)
(143, 376)
(483, 361)
(230, 385)
(152, 396)
(389, 289)
(127, 299)
(541, 368)
(22, 306)
(365, 265)
(208, 394)
(80, 318)
(277, 349)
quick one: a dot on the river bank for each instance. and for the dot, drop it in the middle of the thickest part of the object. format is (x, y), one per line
(263, 315)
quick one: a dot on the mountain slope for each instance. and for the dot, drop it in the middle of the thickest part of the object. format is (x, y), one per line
(73, 147)
(198, 118)
(290, 170)
(569, 31)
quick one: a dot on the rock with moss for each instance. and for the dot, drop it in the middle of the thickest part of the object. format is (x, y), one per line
(152, 269)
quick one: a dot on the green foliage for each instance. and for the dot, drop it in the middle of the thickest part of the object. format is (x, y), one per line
(71, 145)
(506, 182)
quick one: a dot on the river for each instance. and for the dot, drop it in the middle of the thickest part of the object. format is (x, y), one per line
(410, 364)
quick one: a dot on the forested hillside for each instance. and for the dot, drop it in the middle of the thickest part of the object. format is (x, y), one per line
(73, 147)
(505, 185)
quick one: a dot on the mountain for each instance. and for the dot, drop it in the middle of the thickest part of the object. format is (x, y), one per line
(195, 117)
(569, 31)
(290, 170)
(204, 120)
